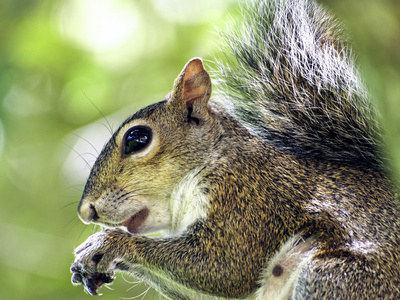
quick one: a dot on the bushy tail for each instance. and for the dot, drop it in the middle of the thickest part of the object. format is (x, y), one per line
(292, 81)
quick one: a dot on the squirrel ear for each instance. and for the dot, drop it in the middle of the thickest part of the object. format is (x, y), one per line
(193, 84)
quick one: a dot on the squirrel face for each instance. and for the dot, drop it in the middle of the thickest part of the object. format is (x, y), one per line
(133, 179)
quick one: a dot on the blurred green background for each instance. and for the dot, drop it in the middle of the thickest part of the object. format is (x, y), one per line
(66, 64)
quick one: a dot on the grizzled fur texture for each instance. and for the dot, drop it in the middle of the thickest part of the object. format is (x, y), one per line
(285, 197)
(292, 81)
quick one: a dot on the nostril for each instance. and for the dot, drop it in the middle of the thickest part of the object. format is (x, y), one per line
(87, 213)
(95, 216)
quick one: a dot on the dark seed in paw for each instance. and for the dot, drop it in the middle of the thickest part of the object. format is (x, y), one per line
(96, 258)
(106, 278)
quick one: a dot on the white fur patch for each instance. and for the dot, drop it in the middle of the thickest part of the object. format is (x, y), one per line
(283, 271)
(158, 280)
(188, 202)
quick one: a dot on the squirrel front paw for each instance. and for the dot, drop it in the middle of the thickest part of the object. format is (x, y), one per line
(96, 260)
(90, 281)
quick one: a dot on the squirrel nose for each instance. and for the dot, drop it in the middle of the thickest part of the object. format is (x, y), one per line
(87, 212)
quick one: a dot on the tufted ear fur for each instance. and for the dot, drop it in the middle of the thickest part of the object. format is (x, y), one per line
(192, 88)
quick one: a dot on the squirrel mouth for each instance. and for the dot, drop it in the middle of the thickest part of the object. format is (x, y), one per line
(134, 223)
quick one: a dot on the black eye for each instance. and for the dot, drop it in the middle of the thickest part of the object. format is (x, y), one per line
(136, 139)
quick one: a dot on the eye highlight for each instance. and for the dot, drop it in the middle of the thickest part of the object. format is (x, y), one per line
(137, 138)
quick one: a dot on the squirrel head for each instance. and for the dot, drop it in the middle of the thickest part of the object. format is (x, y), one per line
(132, 181)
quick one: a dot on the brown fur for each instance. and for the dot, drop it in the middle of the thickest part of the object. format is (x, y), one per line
(259, 197)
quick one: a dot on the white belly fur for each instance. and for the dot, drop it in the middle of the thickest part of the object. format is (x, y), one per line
(280, 277)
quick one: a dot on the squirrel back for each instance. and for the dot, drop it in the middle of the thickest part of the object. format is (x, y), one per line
(291, 80)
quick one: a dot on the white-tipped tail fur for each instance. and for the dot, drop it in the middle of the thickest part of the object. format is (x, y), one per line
(291, 80)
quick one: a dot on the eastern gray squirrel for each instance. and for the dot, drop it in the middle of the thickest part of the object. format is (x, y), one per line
(279, 191)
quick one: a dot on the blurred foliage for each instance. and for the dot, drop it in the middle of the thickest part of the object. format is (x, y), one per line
(66, 64)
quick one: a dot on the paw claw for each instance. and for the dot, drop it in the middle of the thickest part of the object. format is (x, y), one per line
(76, 279)
(93, 265)
(90, 282)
